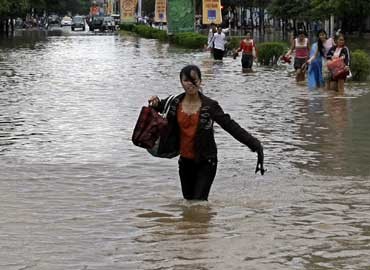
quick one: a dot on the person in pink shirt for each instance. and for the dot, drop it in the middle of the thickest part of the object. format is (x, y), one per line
(301, 47)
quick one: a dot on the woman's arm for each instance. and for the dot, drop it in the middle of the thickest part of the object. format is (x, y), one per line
(234, 129)
(346, 55)
(240, 47)
(314, 56)
(157, 104)
(210, 45)
(330, 54)
(292, 48)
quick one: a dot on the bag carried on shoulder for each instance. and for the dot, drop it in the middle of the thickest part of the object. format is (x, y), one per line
(150, 127)
(338, 69)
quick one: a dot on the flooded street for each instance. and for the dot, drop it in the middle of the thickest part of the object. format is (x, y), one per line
(75, 193)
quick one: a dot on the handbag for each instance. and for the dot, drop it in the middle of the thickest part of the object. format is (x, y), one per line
(150, 128)
(338, 69)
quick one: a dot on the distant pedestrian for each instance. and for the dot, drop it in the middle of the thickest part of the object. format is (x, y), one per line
(248, 49)
(301, 47)
(212, 30)
(317, 69)
(218, 42)
(339, 52)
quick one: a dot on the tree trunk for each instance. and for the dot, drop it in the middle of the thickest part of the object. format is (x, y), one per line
(262, 20)
(361, 29)
(251, 17)
(7, 26)
(1, 26)
(12, 25)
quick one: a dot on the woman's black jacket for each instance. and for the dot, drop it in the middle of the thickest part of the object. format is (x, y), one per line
(205, 145)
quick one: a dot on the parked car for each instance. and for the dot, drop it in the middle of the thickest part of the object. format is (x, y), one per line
(78, 22)
(96, 23)
(53, 19)
(66, 21)
(108, 24)
(116, 18)
(102, 23)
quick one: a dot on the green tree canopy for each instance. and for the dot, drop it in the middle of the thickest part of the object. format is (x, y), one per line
(22, 7)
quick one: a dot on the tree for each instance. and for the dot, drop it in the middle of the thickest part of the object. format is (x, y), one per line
(352, 14)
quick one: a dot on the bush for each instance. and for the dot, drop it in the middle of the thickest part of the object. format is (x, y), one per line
(127, 26)
(149, 32)
(360, 65)
(234, 43)
(269, 52)
(160, 34)
(189, 40)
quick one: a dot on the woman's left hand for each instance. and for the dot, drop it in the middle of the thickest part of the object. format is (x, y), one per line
(260, 158)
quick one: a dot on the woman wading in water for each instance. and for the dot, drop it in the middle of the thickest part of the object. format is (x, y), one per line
(191, 117)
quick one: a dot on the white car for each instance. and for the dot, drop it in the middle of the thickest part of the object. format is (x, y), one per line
(66, 21)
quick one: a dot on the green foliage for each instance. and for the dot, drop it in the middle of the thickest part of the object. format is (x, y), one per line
(186, 39)
(21, 7)
(127, 27)
(269, 52)
(360, 65)
(234, 43)
(146, 31)
(297, 9)
(189, 40)
(148, 6)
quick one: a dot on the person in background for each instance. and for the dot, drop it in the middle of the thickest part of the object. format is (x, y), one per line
(301, 47)
(317, 69)
(190, 129)
(212, 30)
(218, 42)
(340, 50)
(248, 49)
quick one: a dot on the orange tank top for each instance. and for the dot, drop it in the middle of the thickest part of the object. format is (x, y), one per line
(188, 127)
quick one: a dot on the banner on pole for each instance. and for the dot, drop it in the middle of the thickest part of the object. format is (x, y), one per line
(212, 12)
(160, 11)
(181, 17)
(128, 9)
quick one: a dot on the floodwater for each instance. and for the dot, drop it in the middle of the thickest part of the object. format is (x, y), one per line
(75, 193)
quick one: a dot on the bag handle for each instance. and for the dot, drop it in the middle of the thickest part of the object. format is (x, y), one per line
(167, 106)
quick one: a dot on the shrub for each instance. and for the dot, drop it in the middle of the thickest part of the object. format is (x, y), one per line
(142, 30)
(360, 65)
(127, 26)
(159, 34)
(189, 40)
(269, 52)
(234, 43)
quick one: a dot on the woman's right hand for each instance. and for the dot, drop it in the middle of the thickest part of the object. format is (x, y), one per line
(260, 158)
(153, 101)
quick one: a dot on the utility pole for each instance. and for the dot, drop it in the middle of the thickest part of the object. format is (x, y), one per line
(331, 26)
(229, 15)
(138, 8)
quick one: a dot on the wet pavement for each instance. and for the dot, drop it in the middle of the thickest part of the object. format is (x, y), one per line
(75, 193)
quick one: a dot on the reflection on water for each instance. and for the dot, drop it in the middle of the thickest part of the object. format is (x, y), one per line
(75, 193)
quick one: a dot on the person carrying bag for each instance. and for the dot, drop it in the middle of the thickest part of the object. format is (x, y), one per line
(190, 131)
(151, 131)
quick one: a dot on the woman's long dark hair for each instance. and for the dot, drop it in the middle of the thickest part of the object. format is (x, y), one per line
(320, 46)
(186, 72)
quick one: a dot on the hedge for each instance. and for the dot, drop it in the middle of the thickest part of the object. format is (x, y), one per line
(269, 52)
(187, 39)
(360, 65)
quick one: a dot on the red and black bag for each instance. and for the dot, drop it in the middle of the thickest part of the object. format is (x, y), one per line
(338, 69)
(150, 127)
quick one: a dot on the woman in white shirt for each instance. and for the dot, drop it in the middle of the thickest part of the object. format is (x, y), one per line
(218, 44)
